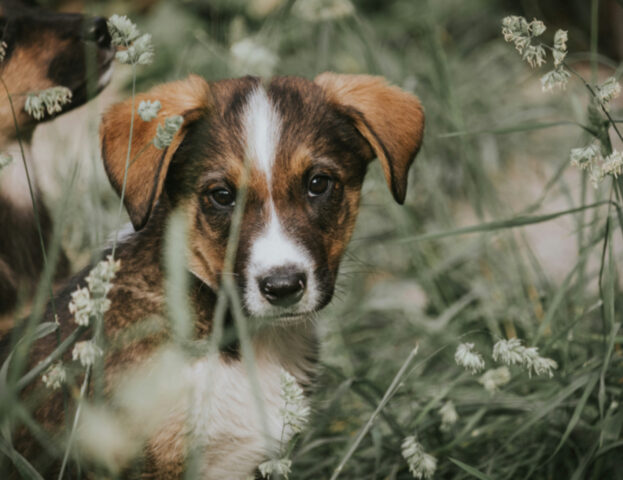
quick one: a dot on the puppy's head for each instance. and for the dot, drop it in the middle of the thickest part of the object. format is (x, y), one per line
(46, 49)
(301, 149)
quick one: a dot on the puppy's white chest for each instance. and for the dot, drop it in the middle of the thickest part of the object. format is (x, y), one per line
(235, 423)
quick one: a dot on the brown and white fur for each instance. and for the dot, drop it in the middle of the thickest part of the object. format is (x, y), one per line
(308, 144)
(43, 49)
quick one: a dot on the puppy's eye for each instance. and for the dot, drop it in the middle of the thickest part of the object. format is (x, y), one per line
(318, 185)
(222, 197)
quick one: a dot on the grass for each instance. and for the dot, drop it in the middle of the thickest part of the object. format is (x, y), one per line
(462, 261)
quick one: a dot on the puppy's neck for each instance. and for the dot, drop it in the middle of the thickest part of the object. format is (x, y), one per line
(14, 186)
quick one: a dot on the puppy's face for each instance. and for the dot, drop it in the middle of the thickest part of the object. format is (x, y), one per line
(46, 49)
(298, 149)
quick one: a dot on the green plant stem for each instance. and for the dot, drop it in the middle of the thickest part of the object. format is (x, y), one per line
(50, 359)
(74, 426)
(127, 162)
(389, 393)
(33, 198)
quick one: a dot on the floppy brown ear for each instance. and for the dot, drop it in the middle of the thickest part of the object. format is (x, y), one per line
(390, 119)
(148, 164)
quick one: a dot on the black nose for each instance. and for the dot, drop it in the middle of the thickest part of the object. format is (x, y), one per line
(97, 31)
(283, 287)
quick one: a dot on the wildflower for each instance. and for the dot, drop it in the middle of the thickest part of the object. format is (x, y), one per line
(122, 30)
(555, 79)
(276, 467)
(101, 276)
(587, 157)
(141, 52)
(536, 27)
(250, 56)
(512, 352)
(535, 56)
(86, 352)
(54, 376)
(607, 91)
(613, 164)
(50, 100)
(448, 416)
(323, 10)
(509, 352)
(491, 380)
(165, 134)
(518, 31)
(421, 464)
(148, 110)
(295, 412)
(124, 33)
(514, 27)
(468, 359)
(596, 176)
(5, 160)
(560, 40)
(559, 51)
(3, 47)
(81, 306)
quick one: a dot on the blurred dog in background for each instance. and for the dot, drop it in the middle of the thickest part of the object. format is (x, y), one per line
(43, 49)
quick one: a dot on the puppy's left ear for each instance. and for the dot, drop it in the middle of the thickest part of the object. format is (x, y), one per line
(390, 119)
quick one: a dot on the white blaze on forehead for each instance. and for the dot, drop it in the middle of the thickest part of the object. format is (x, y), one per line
(262, 127)
(275, 249)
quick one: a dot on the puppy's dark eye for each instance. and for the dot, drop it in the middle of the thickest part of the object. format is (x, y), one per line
(318, 185)
(222, 197)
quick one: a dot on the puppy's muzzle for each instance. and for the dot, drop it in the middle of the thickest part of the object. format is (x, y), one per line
(284, 286)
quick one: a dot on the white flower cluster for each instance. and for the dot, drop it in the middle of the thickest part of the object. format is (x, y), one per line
(252, 57)
(493, 379)
(607, 91)
(87, 303)
(138, 49)
(323, 10)
(558, 77)
(166, 132)
(50, 100)
(3, 47)
(279, 467)
(469, 359)
(521, 32)
(449, 416)
(590, 158)
(512, 352)
(5, 160)
(148, 110)
(87, 352)
(54, 376)
(421, 464)
(295, 411)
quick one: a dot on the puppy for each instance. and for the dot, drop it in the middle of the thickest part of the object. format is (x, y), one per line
(307, 145)
(43, 49)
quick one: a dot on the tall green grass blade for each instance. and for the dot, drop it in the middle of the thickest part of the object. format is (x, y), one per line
(577, 412)
(526, 127)
(471, 470)
(389, 393)
(520, 221)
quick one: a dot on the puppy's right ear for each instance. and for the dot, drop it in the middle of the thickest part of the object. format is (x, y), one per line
(148, 165)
